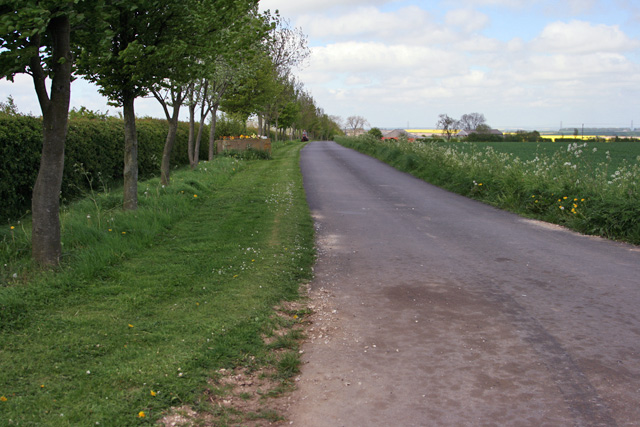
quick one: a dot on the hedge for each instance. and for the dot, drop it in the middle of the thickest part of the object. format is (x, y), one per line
(94, 152)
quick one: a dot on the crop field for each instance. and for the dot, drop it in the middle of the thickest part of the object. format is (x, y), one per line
(616, 153)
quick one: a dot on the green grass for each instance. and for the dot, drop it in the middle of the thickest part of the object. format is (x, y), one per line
(591, 187)
(154, 300)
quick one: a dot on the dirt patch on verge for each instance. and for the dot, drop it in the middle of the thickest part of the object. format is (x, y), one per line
(256, 396)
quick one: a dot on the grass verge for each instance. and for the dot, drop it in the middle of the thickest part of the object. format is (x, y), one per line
(591, 187)
(150, 304)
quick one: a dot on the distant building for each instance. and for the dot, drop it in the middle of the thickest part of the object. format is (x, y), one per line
(397, 133)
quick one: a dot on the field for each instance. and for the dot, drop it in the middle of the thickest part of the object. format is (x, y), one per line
(591, 187)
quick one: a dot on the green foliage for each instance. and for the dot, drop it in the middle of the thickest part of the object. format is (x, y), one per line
(230, 125)
(375, 132)
(93, 156)
(590, 187)
(20, 148)
(166, 297)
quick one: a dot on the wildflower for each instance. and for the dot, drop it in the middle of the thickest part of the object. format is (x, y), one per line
(124, 232)
(41, 385)
(582, 200)
(130, 325)
(561, 208)
(195, 195)
(3, 399)
(88, 216)
(141, 414)
(110, 230)
(479, 184)
(565, 197)
(88, 372)
(153, 393)
(12, 227)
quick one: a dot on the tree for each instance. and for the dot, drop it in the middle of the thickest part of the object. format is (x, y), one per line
(127, 63)
(356, 122)
(376, 133)
(36, 39)
(469, 122)
(449, 125)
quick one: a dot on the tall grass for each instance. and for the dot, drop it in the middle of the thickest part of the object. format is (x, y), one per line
(148, 305)
(579, 185)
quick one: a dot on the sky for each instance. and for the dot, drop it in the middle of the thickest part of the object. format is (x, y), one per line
(523, 64)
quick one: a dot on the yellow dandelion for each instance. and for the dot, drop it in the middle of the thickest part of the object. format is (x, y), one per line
(479, 184)
(130, 325)
(124, 232)
(141, 414)
(582, 200)
(564, 198)
(195, 195)
(41, 385)
(153, 393)
(12, 227)
(110, 230)
(3, 399)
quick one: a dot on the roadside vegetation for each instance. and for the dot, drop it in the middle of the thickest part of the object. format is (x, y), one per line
(149, 306)
(589, 186)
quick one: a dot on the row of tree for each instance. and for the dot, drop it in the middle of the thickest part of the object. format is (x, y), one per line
(206, 54)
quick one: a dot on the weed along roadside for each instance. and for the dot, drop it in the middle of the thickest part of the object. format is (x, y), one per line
(591, 187)
(155, 313)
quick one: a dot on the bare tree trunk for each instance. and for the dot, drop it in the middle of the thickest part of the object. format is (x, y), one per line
(165, 167)
(192, 126)
(130, 199)
(260, 125)
(45, 204)
(212, 132)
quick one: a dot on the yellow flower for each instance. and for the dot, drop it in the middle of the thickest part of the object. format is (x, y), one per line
(110, 230)
(130, 325)
(141, 414)
(41, 385)
(195, 195)
(12, 227)
(3, 399)
(582, 200)
(124, 232)
(153, 393)
(479, 183)
(564, 198)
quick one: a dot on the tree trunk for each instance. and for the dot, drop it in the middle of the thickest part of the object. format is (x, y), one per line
(212, 132)
(45, 205)
(165, 167)
(192, 126)
(203, 118)
(130, 199)
(260, 125)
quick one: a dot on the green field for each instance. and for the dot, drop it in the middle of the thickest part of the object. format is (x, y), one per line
(619, 151)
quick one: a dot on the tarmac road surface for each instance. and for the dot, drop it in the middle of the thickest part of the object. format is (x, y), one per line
(437, 310)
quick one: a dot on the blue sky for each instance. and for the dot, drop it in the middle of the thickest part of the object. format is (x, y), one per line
(530, 64)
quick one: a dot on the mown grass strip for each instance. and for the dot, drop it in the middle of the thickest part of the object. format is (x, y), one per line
(150, 304)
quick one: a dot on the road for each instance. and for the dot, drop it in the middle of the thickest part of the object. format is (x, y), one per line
(437, 310)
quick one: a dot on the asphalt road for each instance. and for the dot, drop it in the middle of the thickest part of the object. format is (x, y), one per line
(437, 310)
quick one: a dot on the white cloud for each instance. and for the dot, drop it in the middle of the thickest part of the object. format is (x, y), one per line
(293, 8)
(468, 20)
(579, 37)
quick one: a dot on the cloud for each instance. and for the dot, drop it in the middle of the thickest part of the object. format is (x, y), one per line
(468, 20)
(293, 8)
(579, 37)
(411, 25)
